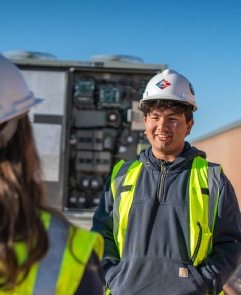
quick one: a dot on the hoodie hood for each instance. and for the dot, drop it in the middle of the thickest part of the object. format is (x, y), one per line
(189, 152)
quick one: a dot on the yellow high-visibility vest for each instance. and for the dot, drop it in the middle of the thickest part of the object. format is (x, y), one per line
(62, 268)
(203, 202)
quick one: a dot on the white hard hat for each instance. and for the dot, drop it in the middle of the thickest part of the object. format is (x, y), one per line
(172, 86)
(15, 97)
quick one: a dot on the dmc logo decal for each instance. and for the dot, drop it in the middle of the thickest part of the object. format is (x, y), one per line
(163, 84)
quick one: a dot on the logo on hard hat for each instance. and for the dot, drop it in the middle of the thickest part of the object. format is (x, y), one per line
(163, 84)
(191, 89)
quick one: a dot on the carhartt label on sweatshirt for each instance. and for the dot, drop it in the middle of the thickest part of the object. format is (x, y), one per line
(183, 272)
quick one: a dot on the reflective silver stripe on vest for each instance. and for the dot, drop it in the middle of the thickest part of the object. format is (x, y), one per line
(214, 174)
(119, 179)
(49, 266)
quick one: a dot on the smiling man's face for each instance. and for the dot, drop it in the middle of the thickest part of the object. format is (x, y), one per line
(166, 131)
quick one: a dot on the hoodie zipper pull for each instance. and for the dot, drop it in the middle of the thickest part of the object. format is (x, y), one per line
(163, 169)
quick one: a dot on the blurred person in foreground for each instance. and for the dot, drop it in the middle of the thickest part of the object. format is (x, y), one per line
(170, 219)
(40, 251)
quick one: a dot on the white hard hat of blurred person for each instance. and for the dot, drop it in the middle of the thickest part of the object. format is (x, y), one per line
(15, 99)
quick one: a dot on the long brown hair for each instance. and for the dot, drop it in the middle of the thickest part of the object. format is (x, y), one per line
(21, 195)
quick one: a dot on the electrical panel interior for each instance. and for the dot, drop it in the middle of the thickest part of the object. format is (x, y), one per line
(106, 126)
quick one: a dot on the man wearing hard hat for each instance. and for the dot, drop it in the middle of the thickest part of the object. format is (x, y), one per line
(170, 219)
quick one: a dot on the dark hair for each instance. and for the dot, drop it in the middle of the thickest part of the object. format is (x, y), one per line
(21, 195)
(163, 104)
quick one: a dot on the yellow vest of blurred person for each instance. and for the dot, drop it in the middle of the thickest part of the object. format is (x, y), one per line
(61, 270)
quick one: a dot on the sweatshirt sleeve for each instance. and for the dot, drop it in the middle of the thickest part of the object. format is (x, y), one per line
(103, 223)
(225, 258)
(92, 282)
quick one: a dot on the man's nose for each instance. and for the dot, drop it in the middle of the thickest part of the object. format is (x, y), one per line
(162, 124)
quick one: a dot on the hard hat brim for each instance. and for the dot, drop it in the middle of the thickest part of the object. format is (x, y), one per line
(21, 109)
(171, 97)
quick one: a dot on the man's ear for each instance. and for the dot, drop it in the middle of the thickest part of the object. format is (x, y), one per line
(189, 126)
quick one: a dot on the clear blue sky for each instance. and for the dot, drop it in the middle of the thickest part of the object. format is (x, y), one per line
(201, 39)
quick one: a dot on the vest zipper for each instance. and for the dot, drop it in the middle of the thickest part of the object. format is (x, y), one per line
(163, 169)
(198, 243)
